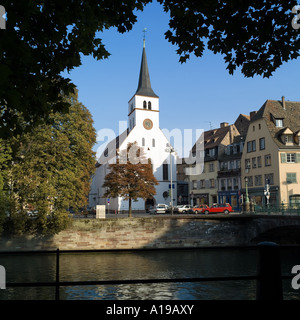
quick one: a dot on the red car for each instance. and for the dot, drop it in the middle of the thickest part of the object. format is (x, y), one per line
(218, 208)
(198, 209)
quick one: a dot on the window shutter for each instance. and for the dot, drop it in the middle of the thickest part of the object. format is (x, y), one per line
(297, 159)
(283, 157)
(207, 184)
(198, 184)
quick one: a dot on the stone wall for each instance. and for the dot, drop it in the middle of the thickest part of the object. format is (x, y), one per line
(150, 232)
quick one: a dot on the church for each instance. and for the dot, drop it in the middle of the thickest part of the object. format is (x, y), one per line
(142, 128)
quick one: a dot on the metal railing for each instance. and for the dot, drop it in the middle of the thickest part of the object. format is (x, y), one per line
(282, 209)
(268, 278)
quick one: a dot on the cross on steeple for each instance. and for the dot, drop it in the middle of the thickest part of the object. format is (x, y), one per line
(144, 38)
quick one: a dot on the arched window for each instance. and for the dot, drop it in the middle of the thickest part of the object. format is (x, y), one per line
(145, 105)
(149, 105)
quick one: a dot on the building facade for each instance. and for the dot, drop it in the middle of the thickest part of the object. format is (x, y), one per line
(271, 157)
(204, 186)
(229, 174)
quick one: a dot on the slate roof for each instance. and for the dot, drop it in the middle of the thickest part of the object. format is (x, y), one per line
(144, 86)
(213, 138)
(274, 109)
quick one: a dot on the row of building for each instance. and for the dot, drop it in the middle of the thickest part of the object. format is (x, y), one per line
(260, 151)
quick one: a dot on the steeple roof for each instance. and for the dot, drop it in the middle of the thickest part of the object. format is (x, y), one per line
(144, 86)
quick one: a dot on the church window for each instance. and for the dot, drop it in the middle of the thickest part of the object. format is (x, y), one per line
(165, 171)
(145, 105)
(153, 142)
(149, 105)
(106, 152)
(143, 142)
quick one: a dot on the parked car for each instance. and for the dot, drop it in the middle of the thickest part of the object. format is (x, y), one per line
(218, 208)
(32, 213)
(198, 209)
(183, 208)
(160, 208)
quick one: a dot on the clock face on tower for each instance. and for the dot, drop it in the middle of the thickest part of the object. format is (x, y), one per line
(148, 124)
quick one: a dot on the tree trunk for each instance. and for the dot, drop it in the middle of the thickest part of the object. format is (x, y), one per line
(130, 209)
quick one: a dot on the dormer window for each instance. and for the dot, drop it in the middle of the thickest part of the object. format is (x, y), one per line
(287, 137)
(279, 123)
(297, 137)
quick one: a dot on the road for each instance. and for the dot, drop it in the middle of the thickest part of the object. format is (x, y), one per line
(147, 215)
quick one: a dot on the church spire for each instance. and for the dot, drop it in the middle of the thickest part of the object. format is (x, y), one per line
(144, 86)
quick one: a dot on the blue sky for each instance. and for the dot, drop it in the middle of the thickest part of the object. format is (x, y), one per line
(199, 94)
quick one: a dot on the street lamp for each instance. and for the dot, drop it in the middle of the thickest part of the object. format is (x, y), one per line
(171, 150)
(267, 191)
(247, 203)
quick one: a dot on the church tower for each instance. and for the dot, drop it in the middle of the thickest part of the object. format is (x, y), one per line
(143, 128)
(143, 107)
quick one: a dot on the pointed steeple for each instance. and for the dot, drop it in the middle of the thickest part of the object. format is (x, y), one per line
(144, 86)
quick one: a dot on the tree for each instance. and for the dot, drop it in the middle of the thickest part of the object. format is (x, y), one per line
(5, 158)
(131, 176)
(44, 38)
(51, 170)
(255, 35)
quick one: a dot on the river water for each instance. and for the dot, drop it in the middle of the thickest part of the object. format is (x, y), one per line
(143, 265)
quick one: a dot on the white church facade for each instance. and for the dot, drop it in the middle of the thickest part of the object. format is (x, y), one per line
(143, 128)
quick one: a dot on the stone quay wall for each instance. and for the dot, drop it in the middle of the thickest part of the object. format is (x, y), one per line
(149, 233)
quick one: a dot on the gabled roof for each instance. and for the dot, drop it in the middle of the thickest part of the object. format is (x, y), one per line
(213, 138)
(144, 86)
(288, 111)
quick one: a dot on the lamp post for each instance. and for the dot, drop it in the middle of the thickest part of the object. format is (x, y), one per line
(171, 150)
(247, 203)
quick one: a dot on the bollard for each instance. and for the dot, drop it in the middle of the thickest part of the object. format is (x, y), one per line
(100, 212)
(57, 276)
(269, 282)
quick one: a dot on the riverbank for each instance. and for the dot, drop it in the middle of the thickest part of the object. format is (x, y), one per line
(157, 232)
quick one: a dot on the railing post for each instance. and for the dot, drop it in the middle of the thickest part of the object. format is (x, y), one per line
(57, 275)
(269, 281)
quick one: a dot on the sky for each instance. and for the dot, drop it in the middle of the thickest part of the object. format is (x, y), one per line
(198, 94)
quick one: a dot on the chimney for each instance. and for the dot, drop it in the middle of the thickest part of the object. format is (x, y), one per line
(283, 102)
(252, 114)
(224, 124)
